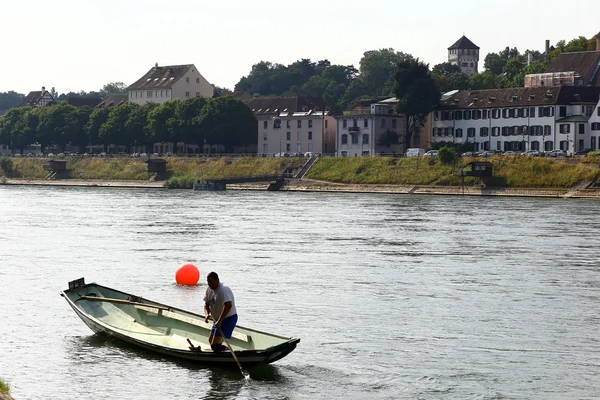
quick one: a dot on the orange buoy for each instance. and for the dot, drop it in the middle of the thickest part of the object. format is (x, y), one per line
(187, 274)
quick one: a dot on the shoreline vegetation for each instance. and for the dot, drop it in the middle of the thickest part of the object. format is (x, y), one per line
(513, 176)
(4, 391)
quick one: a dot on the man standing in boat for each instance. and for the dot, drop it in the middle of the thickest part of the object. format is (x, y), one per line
(220, 304)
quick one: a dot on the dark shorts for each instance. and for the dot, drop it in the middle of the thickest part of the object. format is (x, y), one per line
(227, 326)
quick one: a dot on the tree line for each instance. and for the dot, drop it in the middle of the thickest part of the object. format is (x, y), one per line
(223, 121)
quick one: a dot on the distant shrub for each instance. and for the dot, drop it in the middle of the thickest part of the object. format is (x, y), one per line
(6, 165)
(446, 155)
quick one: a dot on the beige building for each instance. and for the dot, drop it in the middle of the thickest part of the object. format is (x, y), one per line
(293, 125)
(161, 84)
(362, 131)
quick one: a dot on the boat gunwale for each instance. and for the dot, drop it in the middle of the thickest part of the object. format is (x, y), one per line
(81, 312)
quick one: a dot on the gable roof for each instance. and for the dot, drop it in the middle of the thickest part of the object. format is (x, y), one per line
(83, 101)
(585, 63)
(161, 77)
(113, 100)
(521, 97)
(463, 43)
(276, 105)
(33, 98)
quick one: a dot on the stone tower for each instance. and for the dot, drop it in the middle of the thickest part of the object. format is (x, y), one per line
(465, 54)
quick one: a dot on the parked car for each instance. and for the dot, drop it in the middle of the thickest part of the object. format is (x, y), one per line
(468, 154)
(583, 152)
(431, 153)
(415, 152)
(555, 153)
(510, 153)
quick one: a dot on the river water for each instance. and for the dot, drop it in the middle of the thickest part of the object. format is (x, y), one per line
(393, 296)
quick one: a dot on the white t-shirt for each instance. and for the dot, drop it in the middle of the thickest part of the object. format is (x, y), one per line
(217, 298)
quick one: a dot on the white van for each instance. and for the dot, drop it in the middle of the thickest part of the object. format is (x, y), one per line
(415, 152)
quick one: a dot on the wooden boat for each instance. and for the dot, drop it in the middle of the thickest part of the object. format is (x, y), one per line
(168, 330)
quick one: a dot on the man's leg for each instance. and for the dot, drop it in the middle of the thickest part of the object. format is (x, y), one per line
(216, 340)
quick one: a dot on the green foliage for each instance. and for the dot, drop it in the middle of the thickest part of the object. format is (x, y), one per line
(593, 154)
(10, 99)
(6, 165)
(446, 69)
(377, 69)
(417, 94)
(456, 147)
(388, 138)
(4, 387)
(446, 155)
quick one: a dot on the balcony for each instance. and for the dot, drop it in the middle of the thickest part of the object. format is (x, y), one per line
(354, 129)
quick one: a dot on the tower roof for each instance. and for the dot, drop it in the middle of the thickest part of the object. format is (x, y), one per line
(463, 43)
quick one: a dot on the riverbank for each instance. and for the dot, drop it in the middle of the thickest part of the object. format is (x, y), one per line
(4, 391)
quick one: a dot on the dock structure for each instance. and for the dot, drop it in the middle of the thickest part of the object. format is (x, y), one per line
(277, 181)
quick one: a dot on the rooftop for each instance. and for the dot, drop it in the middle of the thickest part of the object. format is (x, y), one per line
(161, 77)
(463, 43)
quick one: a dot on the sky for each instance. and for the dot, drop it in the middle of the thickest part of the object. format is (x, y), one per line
(75, 45)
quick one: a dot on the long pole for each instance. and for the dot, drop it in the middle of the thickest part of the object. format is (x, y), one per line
(242, 370)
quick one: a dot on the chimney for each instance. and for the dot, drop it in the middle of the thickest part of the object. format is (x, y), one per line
(598, 42)
(156, 65)
(547, 47)
(43, 89)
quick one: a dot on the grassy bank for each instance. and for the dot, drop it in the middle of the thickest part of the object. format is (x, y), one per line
(526, 172)
(182, 172)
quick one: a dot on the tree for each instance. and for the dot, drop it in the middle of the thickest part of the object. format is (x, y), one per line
(417, 95)
(19, 127)
(388, 138)
(162, 123)
(114, 130)
(137, 124)
(513, 72)
(316, 86)
(219, 89)
(343, 74)
(95, 121)
(57, 124)
(187, 114)
(446, 69)
(113, 88)
(228, 122)
(377, 70)
(10, 99)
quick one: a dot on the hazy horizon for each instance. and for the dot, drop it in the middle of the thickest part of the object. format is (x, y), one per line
(81, 45)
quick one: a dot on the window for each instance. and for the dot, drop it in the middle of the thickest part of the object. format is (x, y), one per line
(582, 129)
(483, 132)
(434, 130)
(355, 122)
(547, 130)
(394, 123)
(448, 131)
(565, 128)
(355, 138)
(310, 123)
(197, 80)
(344, 124)
(197, 94)
(505, 131)
(459, 132)
(383, 122)
(187, 80)
(277, 123)
(288, 124)
(458, 115)
(131, 95)
(265, 125)
(288, 136)
(365, 139)
(467, 114)
(298, 135)
(288, 147)
(505, 113)
(484, 114)
(496, 131)
(562, 111)
(598, 111)
(532, 112)
(309, 135)
(344, 139)
(264, 135)
(476, 114)
(366, 123)
(436, 115)
(299, 123)
(149, 94)
(265, 148)
(187, 94)
(325, 124)
(471, 132)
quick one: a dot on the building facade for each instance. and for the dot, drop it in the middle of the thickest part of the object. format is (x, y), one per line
(518, 119)
(38, 98)
(369, 130)
(465, 54)
(293, 125)
(161, 84)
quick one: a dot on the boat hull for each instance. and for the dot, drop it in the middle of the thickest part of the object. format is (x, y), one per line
(247, 357)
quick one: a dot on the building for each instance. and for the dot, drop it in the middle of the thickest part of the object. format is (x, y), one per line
(298, 125)
(517, 119)
(161, 84)
(38, 99)
(580, 68)
(594, 123)
(465, 54)
(112, 100)
(371, 128)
